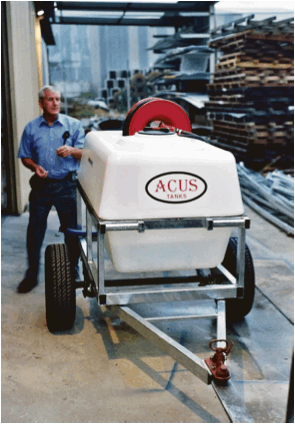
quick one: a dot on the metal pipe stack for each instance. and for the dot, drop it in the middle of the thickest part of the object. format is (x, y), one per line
(272, 196)
(251, 96)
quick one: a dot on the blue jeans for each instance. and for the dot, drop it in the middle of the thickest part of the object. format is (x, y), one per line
(46, 193)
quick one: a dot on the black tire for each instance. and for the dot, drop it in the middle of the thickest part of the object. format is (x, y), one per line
(237, 309)
(60, 295)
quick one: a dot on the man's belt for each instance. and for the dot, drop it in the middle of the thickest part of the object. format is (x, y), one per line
(70, 176)
(36, 181)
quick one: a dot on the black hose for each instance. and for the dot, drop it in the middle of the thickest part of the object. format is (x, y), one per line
(188, 134)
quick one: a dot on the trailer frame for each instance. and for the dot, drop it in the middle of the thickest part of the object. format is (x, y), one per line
(120, 295)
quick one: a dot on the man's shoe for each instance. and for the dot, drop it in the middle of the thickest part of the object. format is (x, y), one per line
(27, 285)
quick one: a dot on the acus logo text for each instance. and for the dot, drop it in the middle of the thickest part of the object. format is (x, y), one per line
(176, 187)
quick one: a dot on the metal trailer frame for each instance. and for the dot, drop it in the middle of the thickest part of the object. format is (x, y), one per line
(120, 294)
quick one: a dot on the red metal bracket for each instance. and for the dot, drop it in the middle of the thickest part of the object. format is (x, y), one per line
(216, 363)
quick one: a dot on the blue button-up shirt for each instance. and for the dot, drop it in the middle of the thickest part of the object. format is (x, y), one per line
(40, 141)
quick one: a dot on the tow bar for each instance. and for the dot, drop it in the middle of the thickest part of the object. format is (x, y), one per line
(215, 373)
(222, 385)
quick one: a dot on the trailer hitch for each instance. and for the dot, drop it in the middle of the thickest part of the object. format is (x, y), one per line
(216, 362)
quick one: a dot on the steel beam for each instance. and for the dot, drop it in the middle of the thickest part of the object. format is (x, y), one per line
(221, 323)
(232, 402)
(165, 343)
(164, 293)
(180, 6)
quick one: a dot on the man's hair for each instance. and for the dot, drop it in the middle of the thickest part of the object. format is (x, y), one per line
(47, 87)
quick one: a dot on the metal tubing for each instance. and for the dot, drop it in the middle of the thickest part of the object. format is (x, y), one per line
(241, 257)
(232, 402)
(182, 355)
(121, 226)
(230, 222)
(260, 187)
(100, 261)
(165, 293)
(89, 237)
(173, 318)
(227, 274)
(221, 323)
(169, 223)
(79, 210)
(148, 281)
(282, 207)
(276, 221)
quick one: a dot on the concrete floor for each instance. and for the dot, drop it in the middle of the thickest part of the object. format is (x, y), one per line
(104, 371)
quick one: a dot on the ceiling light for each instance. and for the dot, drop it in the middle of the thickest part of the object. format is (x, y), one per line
(188, 36)
(193, 14)
(169, 2)
(91, 14)
(143, 15)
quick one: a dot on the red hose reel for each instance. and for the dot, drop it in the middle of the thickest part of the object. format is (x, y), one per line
(168, 114)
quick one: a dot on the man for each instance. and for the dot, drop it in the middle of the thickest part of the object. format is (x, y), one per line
(51, 147)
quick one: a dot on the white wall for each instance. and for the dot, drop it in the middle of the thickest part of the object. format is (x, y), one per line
(23, 66)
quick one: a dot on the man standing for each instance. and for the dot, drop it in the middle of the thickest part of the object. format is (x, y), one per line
(51, 147)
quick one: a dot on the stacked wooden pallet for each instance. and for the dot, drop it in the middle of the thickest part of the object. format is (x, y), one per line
(253, 140)
(251, 95)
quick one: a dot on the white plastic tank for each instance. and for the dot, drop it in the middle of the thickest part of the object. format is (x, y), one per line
(148, 176)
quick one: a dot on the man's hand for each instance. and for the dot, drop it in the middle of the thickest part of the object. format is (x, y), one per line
(64, 151)
(40, 171)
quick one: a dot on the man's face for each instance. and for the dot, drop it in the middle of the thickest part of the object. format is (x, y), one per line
(50, 103)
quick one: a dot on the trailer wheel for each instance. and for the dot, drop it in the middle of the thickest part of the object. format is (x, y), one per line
(60, 296)
(237, 309)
